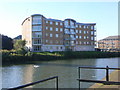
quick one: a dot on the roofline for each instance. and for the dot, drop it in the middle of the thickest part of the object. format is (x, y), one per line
(25, 20)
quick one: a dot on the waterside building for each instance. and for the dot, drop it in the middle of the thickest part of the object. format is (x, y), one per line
(46, 34)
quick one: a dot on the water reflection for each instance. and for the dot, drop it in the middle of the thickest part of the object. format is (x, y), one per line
(66, 70)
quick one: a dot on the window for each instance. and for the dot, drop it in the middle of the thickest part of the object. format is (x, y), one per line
(66, 31)
(76, 31)
(84, 42)
(92, 38)
(66, 23)
(56, 35)
(37, 28)
(92, 27)
(56, 23)
(36, 20)
(87, 42)
(56, 29)
(71, 30)
(37, 41)
(84, 37)
(87, 32)
(51, 28)
(46, 28)
(80, 42)
(79, 26)
(84, 32)
(37, 34)
(76, 26)
(46, 21)
(51, 22)
(46, 41)
(61, 29)
(87, 37)
(84, 27)
(76, 42)
(92, 33)
(71, 23)
(50, 35)
(80, 31)
(80, 37)
(61, 23)
(76, 36)
(46, 34)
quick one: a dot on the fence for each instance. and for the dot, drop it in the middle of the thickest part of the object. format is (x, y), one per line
(107, 82)
(33, 83)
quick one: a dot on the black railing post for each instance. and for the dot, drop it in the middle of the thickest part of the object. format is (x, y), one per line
(107, 73)
(57, 83)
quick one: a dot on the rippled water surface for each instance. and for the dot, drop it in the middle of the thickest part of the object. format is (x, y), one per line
(66, 70)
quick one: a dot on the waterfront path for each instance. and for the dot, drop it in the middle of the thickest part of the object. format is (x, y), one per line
(113, 76)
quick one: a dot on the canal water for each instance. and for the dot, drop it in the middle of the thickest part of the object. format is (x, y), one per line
(66, 70)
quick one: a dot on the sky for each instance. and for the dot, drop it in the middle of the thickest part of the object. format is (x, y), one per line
(104, 14)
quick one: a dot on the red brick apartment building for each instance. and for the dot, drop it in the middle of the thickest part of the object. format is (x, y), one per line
(44, 34)
(111, 43)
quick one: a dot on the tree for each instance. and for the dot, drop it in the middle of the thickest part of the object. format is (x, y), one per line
(7, 42)
(19, 46)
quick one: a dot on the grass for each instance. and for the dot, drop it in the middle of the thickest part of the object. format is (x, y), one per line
(12, 57)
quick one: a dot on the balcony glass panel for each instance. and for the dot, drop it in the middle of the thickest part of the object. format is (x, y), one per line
(36, 20)
(37, 28)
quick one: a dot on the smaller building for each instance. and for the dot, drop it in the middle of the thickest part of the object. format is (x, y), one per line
(111, 43)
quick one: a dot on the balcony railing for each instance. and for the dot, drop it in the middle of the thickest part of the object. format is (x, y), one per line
(69, 44)
(70, 26)
(71, 38)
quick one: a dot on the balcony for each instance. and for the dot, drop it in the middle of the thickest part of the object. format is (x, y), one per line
(67, 33)
(69, 44)
(70, 27)
(70, 38)
(72, 33)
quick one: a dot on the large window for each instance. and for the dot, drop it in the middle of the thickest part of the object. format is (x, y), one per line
(36, 20)
(37, 28)
(66, 23)
(37, 35)
(36, 41)
(37, 48)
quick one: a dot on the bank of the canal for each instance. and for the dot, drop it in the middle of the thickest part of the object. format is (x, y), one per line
(12, 57)
(113, 76)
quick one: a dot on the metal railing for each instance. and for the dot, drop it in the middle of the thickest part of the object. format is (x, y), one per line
(107, 82)
(33, 83)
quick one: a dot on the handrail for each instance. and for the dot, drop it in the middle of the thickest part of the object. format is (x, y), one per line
(33, 83)
(98, 81)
